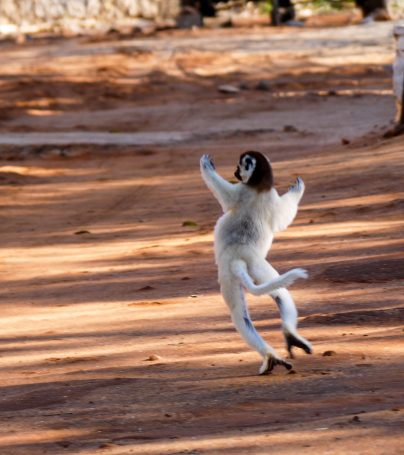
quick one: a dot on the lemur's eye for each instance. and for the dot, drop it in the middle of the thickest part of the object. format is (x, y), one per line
(248, 163)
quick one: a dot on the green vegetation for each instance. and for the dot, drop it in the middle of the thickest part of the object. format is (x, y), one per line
(317, 5)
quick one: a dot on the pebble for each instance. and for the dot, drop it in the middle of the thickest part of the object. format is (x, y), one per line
(153, 358)
(263, 85)
(289, 129)
(329, 353)
(189, 223)
(226, 88)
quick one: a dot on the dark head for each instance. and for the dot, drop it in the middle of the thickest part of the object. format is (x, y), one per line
(254, 169)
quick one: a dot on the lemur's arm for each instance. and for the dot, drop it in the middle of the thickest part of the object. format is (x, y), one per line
(285, 206)
(225, 192)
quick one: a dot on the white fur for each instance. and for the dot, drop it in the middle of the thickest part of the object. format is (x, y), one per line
(243, 237)
(398, 69)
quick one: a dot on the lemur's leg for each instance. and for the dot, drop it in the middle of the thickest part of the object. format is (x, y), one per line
(239, 269)
(262, 271)
(233, 294)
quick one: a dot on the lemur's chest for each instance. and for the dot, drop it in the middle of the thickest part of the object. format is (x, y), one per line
(243, 226)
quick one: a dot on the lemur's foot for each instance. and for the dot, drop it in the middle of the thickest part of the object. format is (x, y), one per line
(299, 342)
(270, 363)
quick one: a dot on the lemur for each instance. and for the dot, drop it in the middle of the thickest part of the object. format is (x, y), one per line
(253, 212)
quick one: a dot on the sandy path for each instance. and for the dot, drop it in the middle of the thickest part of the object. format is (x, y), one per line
(99, 272)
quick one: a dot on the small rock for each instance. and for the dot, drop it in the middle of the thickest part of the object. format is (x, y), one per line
(82, 232)
(355, 419)
(107, 445)
(329, 353)
(292, 372)
(263, 85)
(345, 141)
(152, 358)
(332, 93)
(289, 129)
(226, 88)
(146, 288)
(190, 223)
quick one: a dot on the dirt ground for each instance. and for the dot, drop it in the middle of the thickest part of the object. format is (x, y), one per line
(114, 337)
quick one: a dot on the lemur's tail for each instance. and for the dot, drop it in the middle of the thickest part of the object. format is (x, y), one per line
(239, 268)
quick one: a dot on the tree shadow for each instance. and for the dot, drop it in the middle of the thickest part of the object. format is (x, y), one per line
(90, 233)
(136, 414)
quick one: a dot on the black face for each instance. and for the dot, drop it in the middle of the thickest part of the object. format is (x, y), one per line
(237, 174)
(255, 170)
(246, 167)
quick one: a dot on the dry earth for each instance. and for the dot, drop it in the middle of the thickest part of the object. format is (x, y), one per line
(114, 338)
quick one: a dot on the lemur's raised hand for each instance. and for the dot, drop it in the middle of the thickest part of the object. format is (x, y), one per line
(253, 212)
